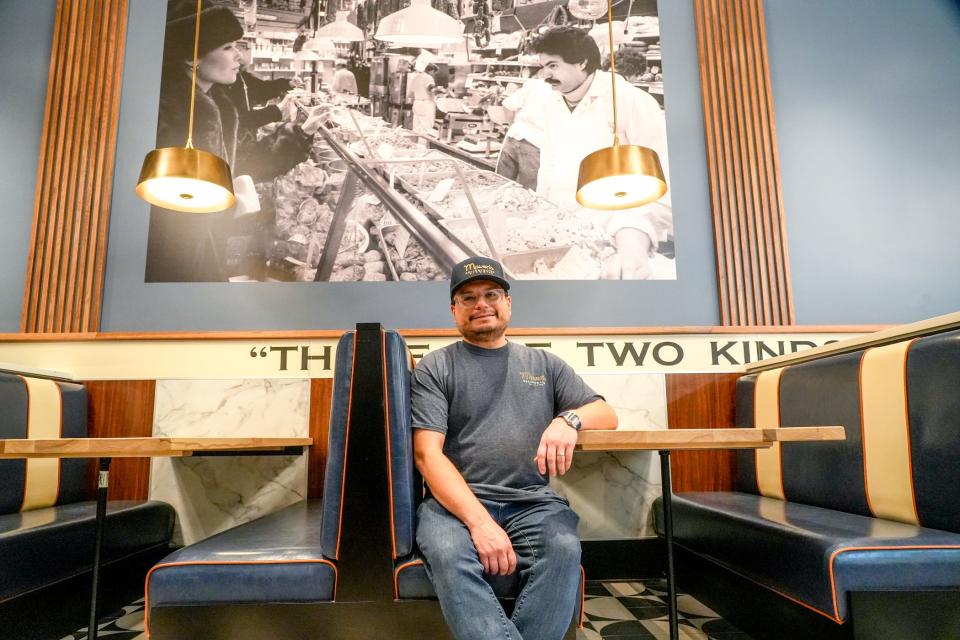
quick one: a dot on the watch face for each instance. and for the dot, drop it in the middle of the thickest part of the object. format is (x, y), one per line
(572, 419)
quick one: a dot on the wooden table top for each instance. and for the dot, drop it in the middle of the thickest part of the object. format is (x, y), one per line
(599, 440)
(679, 439)
(139, 447)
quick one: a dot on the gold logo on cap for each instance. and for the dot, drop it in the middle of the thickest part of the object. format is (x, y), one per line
(472, 268)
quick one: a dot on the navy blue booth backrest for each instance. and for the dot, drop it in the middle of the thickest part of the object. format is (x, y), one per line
(900, 405)
(39, 408)
(406, 486)
(333, 483)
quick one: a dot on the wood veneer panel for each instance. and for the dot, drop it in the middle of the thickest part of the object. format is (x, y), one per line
(321, 394)
(753, 277)
(64, 281)
(697, 400)
(122, 409)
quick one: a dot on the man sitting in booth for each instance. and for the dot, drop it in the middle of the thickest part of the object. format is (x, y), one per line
(493, 421)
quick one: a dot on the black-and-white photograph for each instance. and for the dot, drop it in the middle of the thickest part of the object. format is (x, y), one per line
(362, 149)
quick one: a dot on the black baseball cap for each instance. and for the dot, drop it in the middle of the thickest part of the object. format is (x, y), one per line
(477, 268)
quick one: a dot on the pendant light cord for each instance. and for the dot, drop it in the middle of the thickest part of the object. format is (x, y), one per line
(193, 84)
(613, 72)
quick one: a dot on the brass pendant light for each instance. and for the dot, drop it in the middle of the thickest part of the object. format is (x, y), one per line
(621, 176)
(184, 178)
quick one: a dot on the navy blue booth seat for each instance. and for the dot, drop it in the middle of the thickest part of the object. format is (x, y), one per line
(47, 524)
(287, 557)
(407, 489)
(861, 535)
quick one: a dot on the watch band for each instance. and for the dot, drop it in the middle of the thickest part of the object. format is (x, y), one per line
(571, 419)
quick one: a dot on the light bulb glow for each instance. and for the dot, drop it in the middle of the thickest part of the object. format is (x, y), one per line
(187, 180)
(620, 177)
(620, 192)
(188, 195)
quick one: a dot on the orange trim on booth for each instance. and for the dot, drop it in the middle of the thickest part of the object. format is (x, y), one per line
(346, 447)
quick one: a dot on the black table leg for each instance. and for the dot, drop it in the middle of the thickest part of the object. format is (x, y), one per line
(667, 493)
(102, 484)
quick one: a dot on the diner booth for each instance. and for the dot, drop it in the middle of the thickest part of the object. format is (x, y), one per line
(230, 229)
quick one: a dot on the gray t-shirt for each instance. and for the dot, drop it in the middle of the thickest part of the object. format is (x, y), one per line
(494, 405)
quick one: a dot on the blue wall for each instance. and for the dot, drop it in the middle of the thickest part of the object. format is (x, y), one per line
(867, 105)
(26, 34)
(865, 96)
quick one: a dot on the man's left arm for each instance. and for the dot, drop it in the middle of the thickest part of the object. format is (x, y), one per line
(597, 415)
(555, 453)
(578, 407)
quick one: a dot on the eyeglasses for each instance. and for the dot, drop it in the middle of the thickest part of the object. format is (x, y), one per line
(470, 300)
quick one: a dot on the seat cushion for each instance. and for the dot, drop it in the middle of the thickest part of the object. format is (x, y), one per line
(274, 559)
(45, 546)
(411, 581)
(812, 555)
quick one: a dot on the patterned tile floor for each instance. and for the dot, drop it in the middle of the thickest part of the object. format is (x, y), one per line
(638, 611)
(615, 610)
(126, 624)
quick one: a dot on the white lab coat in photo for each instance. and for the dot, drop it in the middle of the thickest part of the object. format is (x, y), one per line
(344, 82)
(420, 90)
(573, 135)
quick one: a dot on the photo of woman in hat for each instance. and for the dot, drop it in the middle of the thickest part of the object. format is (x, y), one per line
(189, 248)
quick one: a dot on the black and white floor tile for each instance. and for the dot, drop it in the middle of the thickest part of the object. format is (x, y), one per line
(614, 610)
(125, 624)
(638, 611)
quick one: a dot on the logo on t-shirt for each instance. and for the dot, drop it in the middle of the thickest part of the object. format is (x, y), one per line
(532, 380)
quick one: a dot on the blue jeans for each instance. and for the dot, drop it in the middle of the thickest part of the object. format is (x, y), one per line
(544, 538)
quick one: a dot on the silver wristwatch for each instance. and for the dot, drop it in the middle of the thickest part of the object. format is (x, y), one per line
(571, 419)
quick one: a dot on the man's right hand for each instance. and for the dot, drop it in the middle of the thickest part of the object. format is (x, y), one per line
(451, 491)
(494, 548)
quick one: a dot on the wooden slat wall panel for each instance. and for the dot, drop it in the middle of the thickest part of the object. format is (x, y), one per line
(122, 409)
(321, 394)
(64, 281)
(753, 274)
(702, 400)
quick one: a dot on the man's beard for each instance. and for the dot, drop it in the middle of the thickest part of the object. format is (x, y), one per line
(486, 334)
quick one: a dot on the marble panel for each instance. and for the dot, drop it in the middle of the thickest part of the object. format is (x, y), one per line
(212, 494)
(614, 492)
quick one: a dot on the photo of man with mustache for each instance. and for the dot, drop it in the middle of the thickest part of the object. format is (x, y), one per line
(578, 120)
